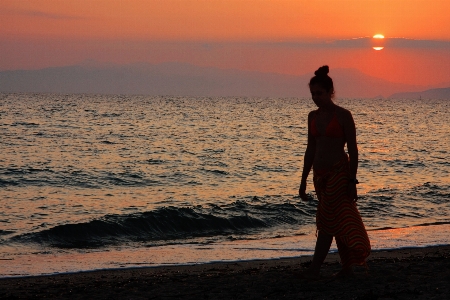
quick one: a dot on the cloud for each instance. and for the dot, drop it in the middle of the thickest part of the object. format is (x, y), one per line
(42, 14)
(410, 43)
(360, 42)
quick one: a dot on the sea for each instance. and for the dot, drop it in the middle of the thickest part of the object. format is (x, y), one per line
(93, 182)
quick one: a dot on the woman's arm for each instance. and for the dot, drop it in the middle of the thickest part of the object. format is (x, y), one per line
(307, 160)
(352, 148)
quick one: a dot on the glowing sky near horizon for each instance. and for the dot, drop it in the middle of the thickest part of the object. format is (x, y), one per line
(284, 36)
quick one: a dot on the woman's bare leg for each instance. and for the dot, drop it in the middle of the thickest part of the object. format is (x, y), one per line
(323, 245)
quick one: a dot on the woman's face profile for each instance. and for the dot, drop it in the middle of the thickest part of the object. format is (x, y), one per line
(319, 95)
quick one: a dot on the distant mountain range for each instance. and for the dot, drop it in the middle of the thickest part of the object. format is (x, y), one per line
(439, 93)
(181, 79)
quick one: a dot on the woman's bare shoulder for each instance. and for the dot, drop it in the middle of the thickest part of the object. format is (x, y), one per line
(345, 113)
(312, 114)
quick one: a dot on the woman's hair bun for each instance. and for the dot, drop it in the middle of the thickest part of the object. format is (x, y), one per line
(322, 71)
(321, 78)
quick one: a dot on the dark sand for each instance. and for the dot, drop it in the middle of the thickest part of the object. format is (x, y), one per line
(401, 274)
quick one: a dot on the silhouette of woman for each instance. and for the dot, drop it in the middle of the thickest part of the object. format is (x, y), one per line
(330, 127)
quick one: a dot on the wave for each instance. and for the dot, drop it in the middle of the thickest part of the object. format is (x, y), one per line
(415, 225)
(5, 232)
(394, 207)
(168, 224)
(45, 176)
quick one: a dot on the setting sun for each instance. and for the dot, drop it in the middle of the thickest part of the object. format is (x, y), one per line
(378, 42)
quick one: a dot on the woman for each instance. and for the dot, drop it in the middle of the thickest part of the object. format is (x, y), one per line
(330, 127)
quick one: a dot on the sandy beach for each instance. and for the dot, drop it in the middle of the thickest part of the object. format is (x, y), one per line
(418, 273)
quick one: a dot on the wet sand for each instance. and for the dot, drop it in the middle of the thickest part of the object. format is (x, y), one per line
(420, 273)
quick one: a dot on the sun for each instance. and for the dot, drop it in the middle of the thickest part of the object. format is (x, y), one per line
(378, 42)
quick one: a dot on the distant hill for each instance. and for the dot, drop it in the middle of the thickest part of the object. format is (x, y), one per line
(188, 80)
(162, 79)
(440, 93)
(352, 83)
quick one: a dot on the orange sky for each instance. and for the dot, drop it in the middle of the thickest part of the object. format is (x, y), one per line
(229, 33)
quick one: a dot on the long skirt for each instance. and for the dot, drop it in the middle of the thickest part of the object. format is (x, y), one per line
(338, 216)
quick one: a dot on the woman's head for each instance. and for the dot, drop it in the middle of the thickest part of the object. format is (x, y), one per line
(322, 79)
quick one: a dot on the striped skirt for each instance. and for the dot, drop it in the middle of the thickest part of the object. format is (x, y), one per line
(337, 214)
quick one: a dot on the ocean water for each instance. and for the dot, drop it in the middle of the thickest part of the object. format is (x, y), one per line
(109, 181)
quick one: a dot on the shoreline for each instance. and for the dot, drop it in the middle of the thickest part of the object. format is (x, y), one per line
(421, 273)
(19, 262)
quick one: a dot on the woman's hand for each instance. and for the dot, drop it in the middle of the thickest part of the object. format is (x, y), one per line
(302, 191)
(352, 192)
